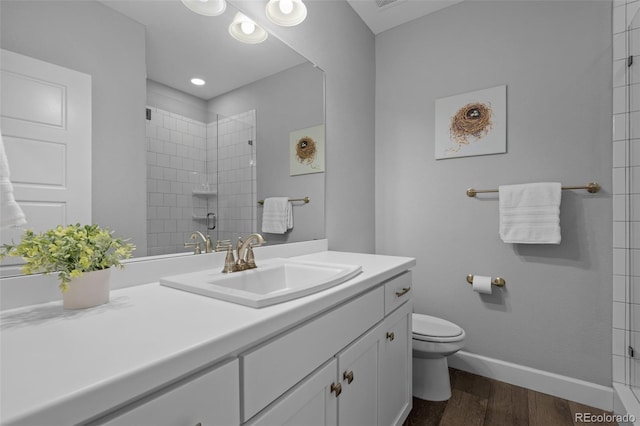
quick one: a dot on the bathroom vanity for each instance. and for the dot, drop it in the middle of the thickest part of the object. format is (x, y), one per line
(160, 356)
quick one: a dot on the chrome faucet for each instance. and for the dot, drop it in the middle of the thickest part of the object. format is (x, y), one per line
(206, 240)
(244, 251)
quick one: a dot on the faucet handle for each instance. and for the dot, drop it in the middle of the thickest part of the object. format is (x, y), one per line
(229, 261)
(208, 245)
(197, 249)
(222, 245)
(251, 260)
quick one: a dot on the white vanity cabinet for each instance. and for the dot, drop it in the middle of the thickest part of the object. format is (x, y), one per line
(395, 374)
(366, 381)
(210, 398)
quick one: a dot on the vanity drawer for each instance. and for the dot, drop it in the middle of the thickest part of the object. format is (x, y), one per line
(212, 397)
(271, 369)
(397, 291)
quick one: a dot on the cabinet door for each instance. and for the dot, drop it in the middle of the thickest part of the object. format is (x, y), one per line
(213, 398)
(358, 373)
(310, 403)
(395, 367)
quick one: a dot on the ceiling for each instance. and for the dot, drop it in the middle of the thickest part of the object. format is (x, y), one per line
(381, 15)
(181, 44)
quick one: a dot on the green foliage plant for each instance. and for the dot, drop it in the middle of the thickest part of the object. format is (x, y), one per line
(69, 251)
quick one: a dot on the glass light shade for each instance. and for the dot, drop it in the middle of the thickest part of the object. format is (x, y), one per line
(241, 25)
(206, 7)
(276, 12)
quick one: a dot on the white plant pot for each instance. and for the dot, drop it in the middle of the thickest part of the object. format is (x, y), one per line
(90, 289)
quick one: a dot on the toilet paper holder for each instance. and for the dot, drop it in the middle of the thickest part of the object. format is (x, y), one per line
(498, 282)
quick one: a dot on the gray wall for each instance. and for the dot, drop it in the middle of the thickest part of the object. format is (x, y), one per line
(170, 99)
(555, 58)
(334, 37)
(93, 39)
(284, 102)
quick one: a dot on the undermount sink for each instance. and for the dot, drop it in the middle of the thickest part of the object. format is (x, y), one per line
(273, 281)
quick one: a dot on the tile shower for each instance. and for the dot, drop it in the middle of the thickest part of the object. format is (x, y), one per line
(194, 170)
(626, 198)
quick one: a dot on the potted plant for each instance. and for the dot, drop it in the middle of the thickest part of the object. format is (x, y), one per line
(82, 256)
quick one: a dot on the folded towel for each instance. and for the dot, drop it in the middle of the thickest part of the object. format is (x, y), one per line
(11, 214)
(530, 213)
(277, 215)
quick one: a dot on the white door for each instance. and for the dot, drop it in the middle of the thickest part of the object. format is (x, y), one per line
(310, 403)
(358, 372)
(46, 129)
(396, 368)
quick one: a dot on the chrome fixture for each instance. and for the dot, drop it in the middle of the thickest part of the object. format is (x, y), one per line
(244, 251)
(245, 30)
(286, 12)
(591, 187)
(206, 7)
(206, 240)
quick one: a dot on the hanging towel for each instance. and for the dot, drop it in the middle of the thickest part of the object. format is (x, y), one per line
(277, 215)
(530, 213)
(11, 214)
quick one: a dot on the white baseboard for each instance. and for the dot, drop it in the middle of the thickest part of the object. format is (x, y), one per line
(583, 392)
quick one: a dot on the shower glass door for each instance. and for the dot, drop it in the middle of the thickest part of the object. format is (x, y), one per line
(236, 165)
(632, 166)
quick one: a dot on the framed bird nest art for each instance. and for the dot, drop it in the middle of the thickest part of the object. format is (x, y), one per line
(473, 123)
(306, 150)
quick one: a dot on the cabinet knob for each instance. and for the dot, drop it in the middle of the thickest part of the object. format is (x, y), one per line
(390, 336)
(348, 377)
(336, 388)
(198, 424)
(404, 291)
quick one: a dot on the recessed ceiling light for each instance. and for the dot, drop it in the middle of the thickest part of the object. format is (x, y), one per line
(197, 81)
(245, 30)
(206, 7)
(286, 12)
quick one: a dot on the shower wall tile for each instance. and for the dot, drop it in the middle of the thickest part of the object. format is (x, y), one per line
(176, 159)
(626, 190)
(236, 175)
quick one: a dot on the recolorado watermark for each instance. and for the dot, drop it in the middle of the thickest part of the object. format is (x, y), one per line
(604, 418)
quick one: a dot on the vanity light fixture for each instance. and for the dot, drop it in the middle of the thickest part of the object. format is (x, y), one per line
(286, 12)
(197, 81)
(206, 7)
(245, 30)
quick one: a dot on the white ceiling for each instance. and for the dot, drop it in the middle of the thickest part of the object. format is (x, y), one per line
(395, 12)
(181, 44)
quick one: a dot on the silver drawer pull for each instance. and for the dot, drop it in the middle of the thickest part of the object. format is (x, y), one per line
(336, 388)
(404, 291)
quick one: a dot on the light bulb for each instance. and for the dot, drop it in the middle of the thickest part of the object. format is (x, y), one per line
(247, 27)
(286, 6)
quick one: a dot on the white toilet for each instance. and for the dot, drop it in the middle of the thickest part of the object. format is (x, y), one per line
(434, 339)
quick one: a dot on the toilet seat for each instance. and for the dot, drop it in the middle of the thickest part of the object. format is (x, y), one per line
(433, 329)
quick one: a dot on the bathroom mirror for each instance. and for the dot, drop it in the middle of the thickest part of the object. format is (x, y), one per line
(147, 51)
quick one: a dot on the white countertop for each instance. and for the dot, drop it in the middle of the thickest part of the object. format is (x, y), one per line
(62, 367)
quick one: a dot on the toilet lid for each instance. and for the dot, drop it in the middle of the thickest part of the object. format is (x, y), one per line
(426, 325)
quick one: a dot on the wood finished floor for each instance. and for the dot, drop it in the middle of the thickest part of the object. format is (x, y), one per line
(479, 401)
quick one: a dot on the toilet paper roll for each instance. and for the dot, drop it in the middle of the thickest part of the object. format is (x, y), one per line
(482, 284)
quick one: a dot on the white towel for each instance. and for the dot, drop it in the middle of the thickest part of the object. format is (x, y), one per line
(530, 213)
(11, 214)
(277, 215)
